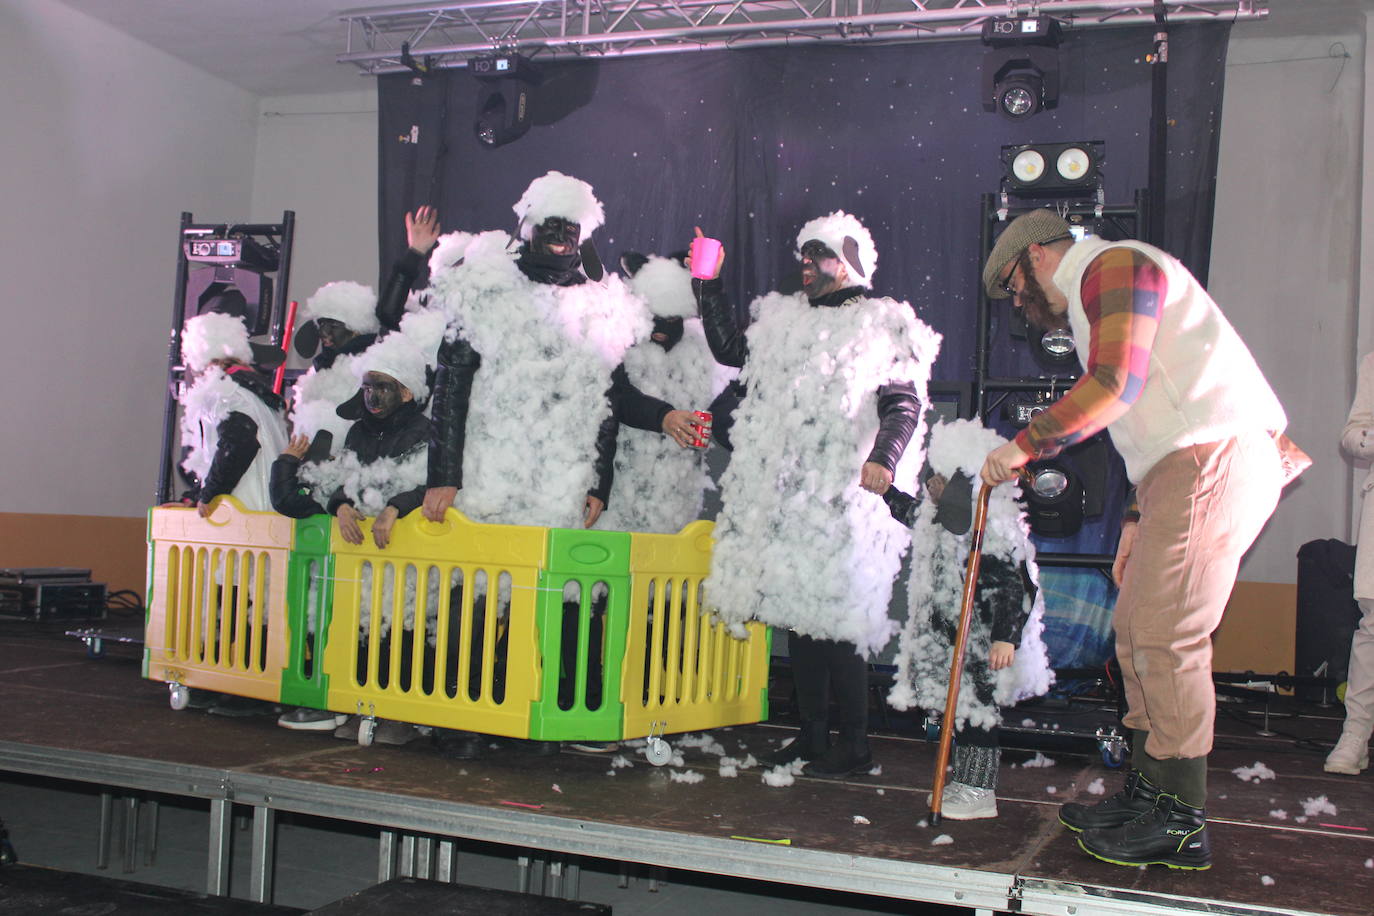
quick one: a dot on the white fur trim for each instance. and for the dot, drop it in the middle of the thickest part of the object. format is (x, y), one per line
(352, 303)
(214, 335)
(556, 194)
(666, 286)
(832, 230)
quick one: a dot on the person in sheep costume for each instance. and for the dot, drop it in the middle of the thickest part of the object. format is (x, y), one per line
(522, 424)
(522, 430)
(835, 379)
(1006, 658)
(231, 421)
(661, 483)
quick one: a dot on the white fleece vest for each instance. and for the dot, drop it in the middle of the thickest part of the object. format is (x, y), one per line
(1202, 384)
(210, 401)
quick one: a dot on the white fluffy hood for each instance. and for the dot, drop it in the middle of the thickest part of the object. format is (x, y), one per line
(214, 335)
(666, 286)
(837, 229)
(556, 194)
(397, 357)
(352, 303)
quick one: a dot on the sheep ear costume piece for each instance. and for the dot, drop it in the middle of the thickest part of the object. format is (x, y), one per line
(843, 234)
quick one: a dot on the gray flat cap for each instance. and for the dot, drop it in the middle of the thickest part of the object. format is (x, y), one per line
(1034, 228)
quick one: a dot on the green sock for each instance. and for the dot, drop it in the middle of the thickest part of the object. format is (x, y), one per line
(1147, 765)
(1185, 777)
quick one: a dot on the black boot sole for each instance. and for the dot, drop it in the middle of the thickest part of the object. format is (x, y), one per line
(1170, 860)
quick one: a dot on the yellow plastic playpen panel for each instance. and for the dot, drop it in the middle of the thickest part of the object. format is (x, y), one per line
(682, 672)
(217, 618)
(467, 653)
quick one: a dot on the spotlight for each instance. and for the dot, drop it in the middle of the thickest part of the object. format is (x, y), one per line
(1054, 499)
(1021, 69)
(1053, 349)
(1053, 169)
(504, 97)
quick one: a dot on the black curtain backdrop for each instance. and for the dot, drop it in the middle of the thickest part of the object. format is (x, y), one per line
(751, 144)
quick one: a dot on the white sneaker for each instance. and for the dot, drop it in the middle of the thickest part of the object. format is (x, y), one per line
(1350, 755)
(961, 802)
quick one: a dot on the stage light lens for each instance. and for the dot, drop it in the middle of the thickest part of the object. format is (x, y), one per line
(1028, 166)
(1050, 483)
(1018, 102)
(1058, 343)
(1073, 164)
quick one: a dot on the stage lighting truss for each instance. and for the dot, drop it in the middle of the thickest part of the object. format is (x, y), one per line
(1063, 170)
(450, 34)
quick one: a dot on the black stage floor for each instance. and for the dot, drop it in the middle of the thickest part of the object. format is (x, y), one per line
(73, 717)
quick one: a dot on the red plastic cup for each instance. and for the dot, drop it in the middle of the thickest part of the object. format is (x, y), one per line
(705, 252)
(701, 431)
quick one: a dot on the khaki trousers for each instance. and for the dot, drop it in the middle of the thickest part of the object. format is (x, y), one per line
(1201, 507)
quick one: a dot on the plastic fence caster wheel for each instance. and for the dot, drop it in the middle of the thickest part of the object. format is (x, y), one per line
(1114, 755)
(95, 648)
(658, 752)
(179, 696)
(367, 728)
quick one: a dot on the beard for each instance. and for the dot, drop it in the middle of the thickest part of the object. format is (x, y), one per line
(1035, 305)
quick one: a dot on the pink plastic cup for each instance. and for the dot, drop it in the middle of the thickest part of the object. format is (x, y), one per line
(705, 251)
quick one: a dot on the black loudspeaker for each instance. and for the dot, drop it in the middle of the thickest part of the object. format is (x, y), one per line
(233, 291)
(1327, 613)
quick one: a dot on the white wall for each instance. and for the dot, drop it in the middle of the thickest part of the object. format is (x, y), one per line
(317, 155)
(1286, 247)
(106, 141)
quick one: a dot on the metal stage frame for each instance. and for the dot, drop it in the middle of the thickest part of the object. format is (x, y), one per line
(441, 35)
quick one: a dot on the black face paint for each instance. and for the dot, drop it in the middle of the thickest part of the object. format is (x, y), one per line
(333, 333)
(820, 269)
(556, 236)
(667, 331)
(382, 394)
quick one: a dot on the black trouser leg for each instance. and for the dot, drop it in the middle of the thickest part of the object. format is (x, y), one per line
(849, 684)
(810, 677)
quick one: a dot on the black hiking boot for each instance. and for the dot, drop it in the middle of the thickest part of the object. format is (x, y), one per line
(1135, 798)
(1172, 834)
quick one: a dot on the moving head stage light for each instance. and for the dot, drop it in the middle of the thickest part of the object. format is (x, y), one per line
(228, 275)
(1021, 67)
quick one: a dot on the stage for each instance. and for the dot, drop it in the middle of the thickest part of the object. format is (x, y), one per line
(95, 721)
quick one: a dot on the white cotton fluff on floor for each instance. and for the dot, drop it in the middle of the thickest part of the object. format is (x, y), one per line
(860, 819)
(798, 543)
(877, 770)
(1028, 723)
(1039, 760)
(557, 788)
(1369, 863)
(728, 770)
(1253, 773)
(1266, 880)
(547, 351)
(1097, 787)
(882, 791)
(1279, 814)
(778, 777)
(1319, 805)
(943, 839)
(935, 591)
(620, 761)
(687, 776)
(707, 743)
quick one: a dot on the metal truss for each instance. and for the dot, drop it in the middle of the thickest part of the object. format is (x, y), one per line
(447, 34)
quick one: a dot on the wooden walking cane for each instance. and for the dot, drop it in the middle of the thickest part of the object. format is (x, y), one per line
(956, 665)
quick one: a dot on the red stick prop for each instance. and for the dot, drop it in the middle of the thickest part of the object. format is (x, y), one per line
(285, 347)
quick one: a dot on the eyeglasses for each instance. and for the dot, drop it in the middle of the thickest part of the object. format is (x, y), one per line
(1021, 261)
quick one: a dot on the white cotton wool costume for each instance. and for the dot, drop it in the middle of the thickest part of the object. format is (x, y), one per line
(799, 543)
(659, 485)
(316, 396)
(343, 300)
(207, 404)
(935, 588)
(538, 399)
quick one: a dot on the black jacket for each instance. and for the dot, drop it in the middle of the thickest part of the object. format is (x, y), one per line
(369, 439)
(898, 407)
(237, 443)
(458, 363)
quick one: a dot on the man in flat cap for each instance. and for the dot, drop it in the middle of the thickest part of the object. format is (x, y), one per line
(1200, 431)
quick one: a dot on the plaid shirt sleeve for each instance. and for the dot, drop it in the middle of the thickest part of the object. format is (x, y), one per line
(1123, 292)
